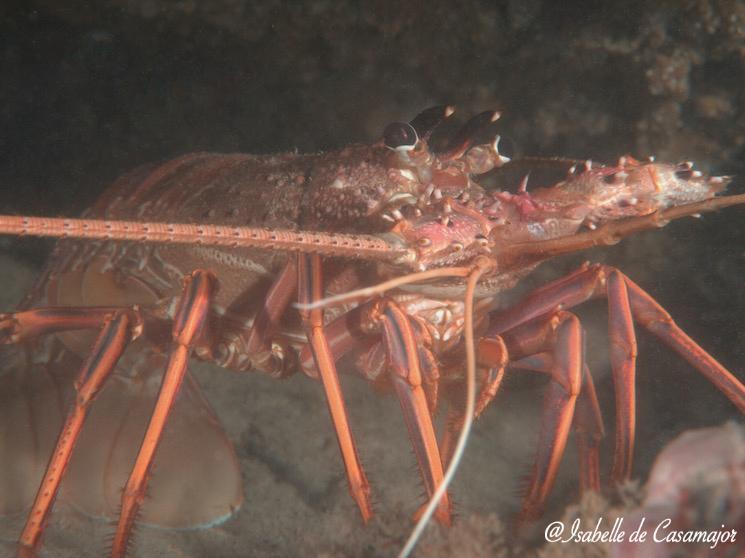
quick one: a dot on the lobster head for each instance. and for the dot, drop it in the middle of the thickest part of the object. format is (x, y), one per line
(428, 200)
(478, 222)
(370, 188)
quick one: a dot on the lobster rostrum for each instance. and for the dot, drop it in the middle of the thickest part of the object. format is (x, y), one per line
(385, 259)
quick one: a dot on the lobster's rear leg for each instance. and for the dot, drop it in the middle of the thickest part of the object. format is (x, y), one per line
(310, 289)
(115, 336)
(188, 329)
(17, 327)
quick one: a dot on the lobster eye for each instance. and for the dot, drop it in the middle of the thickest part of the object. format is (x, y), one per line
(400, 135)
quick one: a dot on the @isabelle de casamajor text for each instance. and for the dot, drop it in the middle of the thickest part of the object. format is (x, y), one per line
(643, 532)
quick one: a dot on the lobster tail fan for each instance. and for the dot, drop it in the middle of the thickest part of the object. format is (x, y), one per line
(428, 120)
(468, 135)
(196, 481)
(196, 478)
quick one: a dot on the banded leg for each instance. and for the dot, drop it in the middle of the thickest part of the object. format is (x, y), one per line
(188, 328)
(403, 356)
(310, 289)
(113, 339)
(626, 301)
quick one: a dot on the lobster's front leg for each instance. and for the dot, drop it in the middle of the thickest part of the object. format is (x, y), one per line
(562, 336)
(626, 300)
(588, 420)
(551, 345)
(402, 351)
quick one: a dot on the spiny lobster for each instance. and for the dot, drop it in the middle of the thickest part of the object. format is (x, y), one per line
(393, 254)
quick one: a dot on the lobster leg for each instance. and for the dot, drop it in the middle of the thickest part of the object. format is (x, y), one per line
(562, 334)
(493, 360)
(427, 365)
(588, 421)
(654, 318)
(415, 375)
(623, 365)
(495, 353)
(29, 324)
(625, 301)
(310, 288)
(403, 356)
(588, 424)
(582, 285)
(188, 327)
(108, 348)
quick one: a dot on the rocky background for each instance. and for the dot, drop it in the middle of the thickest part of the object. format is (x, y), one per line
(89, 90)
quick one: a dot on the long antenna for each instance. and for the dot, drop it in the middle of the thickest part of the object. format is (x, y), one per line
(357, 246)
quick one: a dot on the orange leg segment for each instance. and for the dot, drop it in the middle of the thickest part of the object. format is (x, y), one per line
(109, 346)
(588, 421)
(562, 335)
(654, 318)
(403, 356)
(267, 321)
(191, 318)
(29, 324)
(626, 301)
(623, 361)
(310, 288)
(588, 425)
